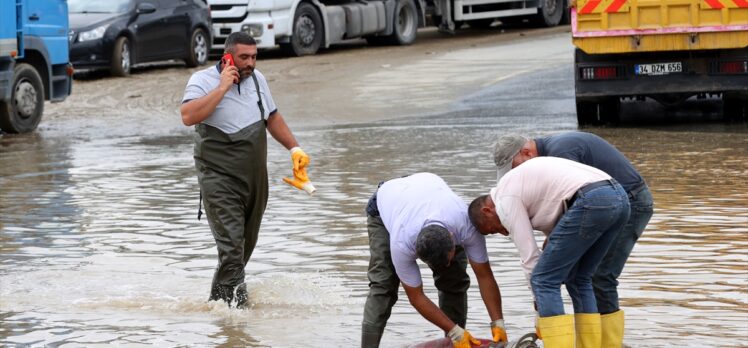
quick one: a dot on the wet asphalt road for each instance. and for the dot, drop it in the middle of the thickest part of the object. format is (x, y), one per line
(100, 245)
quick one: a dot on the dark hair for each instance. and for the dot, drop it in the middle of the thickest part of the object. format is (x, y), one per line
(474, 208)
(433, 246)
(240, 38)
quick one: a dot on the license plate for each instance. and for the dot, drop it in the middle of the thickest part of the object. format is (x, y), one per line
(658, 68)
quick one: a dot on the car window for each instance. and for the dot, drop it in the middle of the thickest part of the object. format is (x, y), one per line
(98, 6)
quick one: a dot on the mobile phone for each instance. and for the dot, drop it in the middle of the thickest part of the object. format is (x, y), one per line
(227, 60)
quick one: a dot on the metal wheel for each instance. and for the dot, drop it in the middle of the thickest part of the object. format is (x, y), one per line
(307, 31)
(22, 113)
(121, 57)
(198, 50)
(550, 14)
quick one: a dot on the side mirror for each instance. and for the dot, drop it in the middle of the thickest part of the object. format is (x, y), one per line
(145, 7)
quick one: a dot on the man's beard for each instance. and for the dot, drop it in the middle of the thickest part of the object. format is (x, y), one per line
(246, 72)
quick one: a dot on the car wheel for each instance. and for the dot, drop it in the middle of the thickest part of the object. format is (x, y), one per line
(22, 113)
(121, 57)
(550, 14)
(198, 53)
(306, 36)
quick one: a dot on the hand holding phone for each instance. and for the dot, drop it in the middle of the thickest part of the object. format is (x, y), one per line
(228, 61)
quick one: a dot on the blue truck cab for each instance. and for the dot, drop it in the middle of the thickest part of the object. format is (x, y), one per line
(34, 64)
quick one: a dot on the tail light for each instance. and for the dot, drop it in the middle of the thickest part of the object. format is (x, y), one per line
(600, 73)
(730, 67)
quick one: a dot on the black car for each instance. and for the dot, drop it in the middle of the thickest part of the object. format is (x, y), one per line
(117, 34)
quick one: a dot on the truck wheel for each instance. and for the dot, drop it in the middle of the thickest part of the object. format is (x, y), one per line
(586, 113)
(550, 14)
(734, 110)
(198, 50)
(121, 57)
(22, 113)
(405, 23)
(306, 37)
(610, 110)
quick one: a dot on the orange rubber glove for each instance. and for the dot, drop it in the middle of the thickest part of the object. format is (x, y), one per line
(299, 158)
(461, 338)
(301, 181)
(498, 331)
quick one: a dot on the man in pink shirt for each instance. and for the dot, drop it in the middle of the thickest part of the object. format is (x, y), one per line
(581, 210)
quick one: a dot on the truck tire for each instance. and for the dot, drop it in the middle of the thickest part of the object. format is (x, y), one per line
(734, 109)
(550, 14)
(306, 37)
(121, 57)
(586, 113)
(198, 50)
(22, 113)
(610, 110)
(405, 23)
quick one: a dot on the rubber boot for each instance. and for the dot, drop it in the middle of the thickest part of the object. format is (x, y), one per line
(241, 296)
(370, 336)
(557, 331)
(612, 328)
(588, 330)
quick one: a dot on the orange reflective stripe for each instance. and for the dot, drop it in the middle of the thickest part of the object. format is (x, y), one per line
(741, 3)
(715, 4)
(590, 6)
(616, 5)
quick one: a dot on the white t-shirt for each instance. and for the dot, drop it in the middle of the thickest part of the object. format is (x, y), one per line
(532, 196)
(238, 108)
(408, 204)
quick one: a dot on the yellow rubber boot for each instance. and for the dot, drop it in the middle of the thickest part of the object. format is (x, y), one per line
(612, 328)
(557, 331)
(588, 330)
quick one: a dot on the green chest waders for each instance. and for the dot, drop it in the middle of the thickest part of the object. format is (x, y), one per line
(233, 179)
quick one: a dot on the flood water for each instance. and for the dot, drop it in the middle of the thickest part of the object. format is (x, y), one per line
(100, 244)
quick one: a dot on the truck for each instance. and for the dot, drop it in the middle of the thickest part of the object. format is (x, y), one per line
(302, 27)
(664, 50)
(34, 64)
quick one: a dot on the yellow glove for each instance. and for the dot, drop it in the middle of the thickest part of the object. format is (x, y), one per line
(300, 181)
(461, 338)
(498, 331)
(299, 158)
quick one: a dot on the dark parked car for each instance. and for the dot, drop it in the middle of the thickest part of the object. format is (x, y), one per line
(117, 34)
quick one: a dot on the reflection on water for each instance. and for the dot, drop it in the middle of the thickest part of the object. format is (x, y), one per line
(100, 244)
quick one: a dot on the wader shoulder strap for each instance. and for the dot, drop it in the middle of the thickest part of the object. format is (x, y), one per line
(259, 98)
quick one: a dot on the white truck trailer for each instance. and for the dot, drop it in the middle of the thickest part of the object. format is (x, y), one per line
(302, 27)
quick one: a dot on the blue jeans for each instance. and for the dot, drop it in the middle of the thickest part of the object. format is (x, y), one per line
(605, 279)
(575, 248)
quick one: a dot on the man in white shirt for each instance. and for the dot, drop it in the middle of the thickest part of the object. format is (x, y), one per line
(581, 210)
(420, 217)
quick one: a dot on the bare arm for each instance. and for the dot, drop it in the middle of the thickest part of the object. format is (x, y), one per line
(428, 309)
(489, 290)
(197, 110)
(279, 130)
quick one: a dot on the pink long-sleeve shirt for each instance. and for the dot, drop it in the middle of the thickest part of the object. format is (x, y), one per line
(532, 197)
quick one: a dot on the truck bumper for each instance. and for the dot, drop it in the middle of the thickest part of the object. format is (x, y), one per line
(702, 72)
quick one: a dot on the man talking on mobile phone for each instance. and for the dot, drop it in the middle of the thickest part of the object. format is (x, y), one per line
(231, 107)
